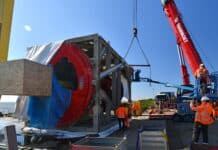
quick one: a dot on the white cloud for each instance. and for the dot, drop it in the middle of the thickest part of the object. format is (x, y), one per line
(28, 28)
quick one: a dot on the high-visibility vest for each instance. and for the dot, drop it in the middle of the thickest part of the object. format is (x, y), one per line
(204, 113)
(216, 111)
(121, 112)
(201, 72)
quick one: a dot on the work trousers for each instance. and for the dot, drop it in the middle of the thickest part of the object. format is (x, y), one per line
(197, 129)
(121, 123)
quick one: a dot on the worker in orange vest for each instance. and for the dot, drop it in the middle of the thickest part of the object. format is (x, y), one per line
(203, 75)
(215, 106)
(203, 117)
(121, 113)
(128, 115)
(126, 104)
(201, 72)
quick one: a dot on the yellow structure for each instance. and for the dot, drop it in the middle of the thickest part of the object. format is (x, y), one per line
(6, 13)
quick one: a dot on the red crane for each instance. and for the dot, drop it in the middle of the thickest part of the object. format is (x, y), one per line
(184, 42)
(186, 49)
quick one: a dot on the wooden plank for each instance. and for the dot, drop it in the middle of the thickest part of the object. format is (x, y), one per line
(96, 108)
(24, 77)
(108, 60)
(119, 84)
(116, 101)
(82, 38)
(11, 137)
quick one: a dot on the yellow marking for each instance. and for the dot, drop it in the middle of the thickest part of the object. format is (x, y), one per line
(6, 13)
(165, 136)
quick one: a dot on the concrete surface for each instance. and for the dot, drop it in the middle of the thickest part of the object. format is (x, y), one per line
(132, 132)
(24, 77)
(179, 133)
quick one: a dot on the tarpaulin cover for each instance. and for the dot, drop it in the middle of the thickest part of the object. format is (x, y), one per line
(44, 53)
(45, 112)
(40, 54)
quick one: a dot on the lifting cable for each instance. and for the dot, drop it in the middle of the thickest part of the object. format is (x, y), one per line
(135, 36)
(200, 49)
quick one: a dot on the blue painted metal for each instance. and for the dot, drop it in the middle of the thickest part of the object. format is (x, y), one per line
(192, 93)
(212, 87)
(212, 92)
(45, 112)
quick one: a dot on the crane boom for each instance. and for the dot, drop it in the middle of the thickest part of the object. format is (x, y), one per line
(183, 38)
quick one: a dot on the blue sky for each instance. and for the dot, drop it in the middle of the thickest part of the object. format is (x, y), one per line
(42, 21)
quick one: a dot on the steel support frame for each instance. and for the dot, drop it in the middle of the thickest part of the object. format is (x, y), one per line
(113, 64)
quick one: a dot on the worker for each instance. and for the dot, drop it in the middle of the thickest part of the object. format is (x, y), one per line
(128, 116)
(136, 108)
(126, 104)
(202, 74)
(121, 113)
(215, 106)
(137, 75)
(203, 118)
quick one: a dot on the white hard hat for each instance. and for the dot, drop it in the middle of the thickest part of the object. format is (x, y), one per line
(124, 100)
(205, 98)
(112, 113)
(201, 65)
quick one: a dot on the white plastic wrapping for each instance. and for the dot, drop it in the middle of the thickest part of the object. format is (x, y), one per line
(44, 53)
(40, 54)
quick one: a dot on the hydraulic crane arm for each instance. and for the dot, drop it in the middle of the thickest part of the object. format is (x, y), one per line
(183, 38)
(185, 75)
(183, 87)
